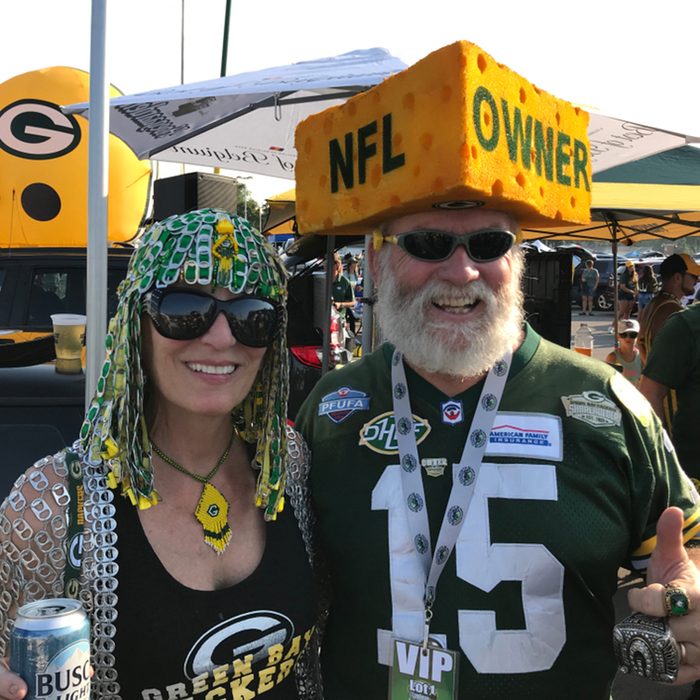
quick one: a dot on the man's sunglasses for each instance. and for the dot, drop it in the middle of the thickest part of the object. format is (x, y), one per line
(183, 315)
(432, 245)
(629, 334)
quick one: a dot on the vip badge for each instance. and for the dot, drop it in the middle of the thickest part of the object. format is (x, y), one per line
(341, 404)
(452, 412)
(423, 673)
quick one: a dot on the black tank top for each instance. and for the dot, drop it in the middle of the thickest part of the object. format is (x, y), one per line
(239, 642)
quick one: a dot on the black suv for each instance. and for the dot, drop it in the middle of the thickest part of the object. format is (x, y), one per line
(41, 411)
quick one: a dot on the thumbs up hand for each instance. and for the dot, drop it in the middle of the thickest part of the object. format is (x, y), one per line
(673, 590)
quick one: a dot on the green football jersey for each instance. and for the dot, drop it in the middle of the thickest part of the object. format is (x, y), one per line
(674, 361)
(575, 474)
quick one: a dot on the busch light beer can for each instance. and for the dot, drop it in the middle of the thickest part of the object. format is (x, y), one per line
(50, 649)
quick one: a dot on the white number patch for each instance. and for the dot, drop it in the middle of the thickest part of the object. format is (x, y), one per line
(484, 565)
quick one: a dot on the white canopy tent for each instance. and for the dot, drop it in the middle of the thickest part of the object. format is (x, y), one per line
(242, 122)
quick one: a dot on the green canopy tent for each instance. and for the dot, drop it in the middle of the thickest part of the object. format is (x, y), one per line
(654, 198)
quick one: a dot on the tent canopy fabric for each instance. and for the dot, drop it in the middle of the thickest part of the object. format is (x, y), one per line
(242, 122)
(280, 214)
(657, 197)
(246, 122)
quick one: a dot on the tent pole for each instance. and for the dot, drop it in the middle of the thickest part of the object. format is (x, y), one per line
(367, 308)
(98, 183)
(612, 223)
(328, 288)
(224, 48)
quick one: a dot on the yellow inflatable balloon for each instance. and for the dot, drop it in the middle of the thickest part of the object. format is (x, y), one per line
(44, 165)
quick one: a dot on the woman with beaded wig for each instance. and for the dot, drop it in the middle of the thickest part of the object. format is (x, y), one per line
(198, 582)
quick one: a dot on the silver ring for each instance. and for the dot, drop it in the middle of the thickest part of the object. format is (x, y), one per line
(681, 648)
(645, 647)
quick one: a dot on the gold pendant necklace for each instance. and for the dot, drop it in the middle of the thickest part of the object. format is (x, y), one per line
(212, 509)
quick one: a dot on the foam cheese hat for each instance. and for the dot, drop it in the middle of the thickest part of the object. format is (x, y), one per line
(455, 130)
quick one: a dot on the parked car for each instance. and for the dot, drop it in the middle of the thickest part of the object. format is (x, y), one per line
(41, 411)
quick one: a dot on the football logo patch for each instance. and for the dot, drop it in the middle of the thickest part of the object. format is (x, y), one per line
(341, 404)
(593, 408)
(452, 412)
(379, 434)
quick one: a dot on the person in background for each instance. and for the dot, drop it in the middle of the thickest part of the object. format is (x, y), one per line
(342, 295)
(647, 287)
(589, 283)
(352, 272)
(679, 273)
(627, 291)
(184, 460)
(673, 365)
(627, 356)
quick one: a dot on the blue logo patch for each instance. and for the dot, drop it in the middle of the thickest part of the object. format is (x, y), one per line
(341, 404)
(452, 412)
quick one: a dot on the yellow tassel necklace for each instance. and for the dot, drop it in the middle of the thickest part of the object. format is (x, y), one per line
(212, 509)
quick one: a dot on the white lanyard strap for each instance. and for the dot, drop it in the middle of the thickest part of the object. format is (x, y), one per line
(469, 465)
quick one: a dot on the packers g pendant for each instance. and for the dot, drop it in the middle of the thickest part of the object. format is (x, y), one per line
(212, 513)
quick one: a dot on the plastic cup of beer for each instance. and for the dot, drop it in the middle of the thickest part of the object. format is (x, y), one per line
(69, 339)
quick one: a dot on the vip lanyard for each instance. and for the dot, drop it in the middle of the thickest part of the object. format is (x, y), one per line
(462, 487)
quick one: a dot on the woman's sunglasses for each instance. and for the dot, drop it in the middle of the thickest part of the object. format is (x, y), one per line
(183, 315)
(629, 334)
(431, 245)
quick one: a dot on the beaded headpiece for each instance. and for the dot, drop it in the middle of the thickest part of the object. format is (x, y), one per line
(206, 246)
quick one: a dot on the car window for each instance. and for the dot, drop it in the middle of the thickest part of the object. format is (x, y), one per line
(48, 296)
(63, 290)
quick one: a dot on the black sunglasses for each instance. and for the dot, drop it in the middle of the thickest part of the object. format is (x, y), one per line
(629, 334)
(180, 314)
(432, 245)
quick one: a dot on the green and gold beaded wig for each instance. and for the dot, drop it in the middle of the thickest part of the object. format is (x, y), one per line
(207, 246)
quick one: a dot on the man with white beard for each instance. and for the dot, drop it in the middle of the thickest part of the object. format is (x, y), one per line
(573, 460)
(442, 316)
(476, 486)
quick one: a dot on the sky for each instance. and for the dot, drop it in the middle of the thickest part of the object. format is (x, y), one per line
(635, 60)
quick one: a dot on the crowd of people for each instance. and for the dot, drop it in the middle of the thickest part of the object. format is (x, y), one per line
(659, 350)
(463, 495)
(658, 356)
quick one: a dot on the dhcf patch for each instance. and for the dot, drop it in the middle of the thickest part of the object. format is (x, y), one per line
(452, 412)
(379, 434)
(341, 404)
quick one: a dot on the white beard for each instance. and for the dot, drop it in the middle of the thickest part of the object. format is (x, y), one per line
(468, 349)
